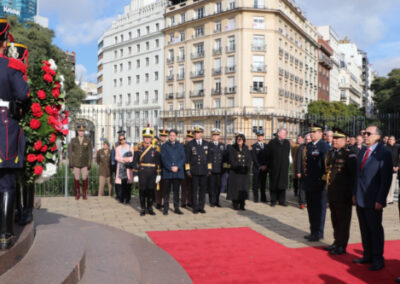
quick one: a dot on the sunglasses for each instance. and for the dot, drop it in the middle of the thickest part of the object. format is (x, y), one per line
(121, 139)
(367, 134)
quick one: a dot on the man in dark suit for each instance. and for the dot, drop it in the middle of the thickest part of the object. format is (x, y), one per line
(314, 182)
(259, 167)
(373, 179)
(198, 166)
(356, 148)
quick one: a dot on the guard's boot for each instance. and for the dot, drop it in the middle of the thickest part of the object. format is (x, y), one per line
(142, 204)
(28, 197)
(77, 190)
(7, 205)
(150, 206)
(84, 189)
(18, 204)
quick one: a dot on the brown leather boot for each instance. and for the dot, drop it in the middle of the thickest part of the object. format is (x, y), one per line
(84, 190)
(77, 190)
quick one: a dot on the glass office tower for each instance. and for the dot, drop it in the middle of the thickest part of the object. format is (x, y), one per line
(25, 10)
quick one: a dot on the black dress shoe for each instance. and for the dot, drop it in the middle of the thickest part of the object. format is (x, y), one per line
(177, 211)
(218, 205)
(158, 206)
(377, 266)
(329, 248)
(189, 205)
(165, 212)
(142, 212)
(398, 280)
(273, 204)
(338, 251)
(283, 204)
(313, 239)
(202, 211)
(212, 205)
(183, 205)
(361, 261)
(151, 212)
(195, 212)
(307, 237)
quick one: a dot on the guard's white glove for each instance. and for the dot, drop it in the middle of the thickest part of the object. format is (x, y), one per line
(158, 179)
(136, 179)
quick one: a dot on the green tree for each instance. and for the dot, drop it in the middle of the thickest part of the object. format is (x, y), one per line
(387, 92)
(39, 42)
(333, 109)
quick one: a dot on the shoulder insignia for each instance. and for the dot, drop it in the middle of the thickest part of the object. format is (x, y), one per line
(136, 148)
(158, 149)
(17, 65)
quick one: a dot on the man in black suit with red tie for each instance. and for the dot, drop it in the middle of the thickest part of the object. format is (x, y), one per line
(373, 179)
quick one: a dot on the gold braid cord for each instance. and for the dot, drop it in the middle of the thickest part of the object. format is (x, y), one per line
(328, 167)
(305, 160)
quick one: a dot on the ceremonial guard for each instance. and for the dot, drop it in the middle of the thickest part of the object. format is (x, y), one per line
(198, 166)
(218, 158)
(258, 153)
(159, 194)
(147, 166)
(80, 160)
(314, 182)
(12, 143)
(186, 185)
(239, 178)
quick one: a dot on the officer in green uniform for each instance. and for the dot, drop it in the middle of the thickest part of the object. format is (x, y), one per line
(80, 159)
(341, 163)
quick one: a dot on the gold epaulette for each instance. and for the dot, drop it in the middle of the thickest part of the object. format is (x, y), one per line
(158, 149)
(187, 167)
(209, 166)
(136, 148)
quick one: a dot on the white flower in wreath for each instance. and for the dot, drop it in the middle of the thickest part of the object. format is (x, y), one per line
(50, 170)
(62, 79)
(53, 64)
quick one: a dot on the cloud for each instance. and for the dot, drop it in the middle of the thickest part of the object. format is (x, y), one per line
(81, 22)
(363, 21)
(385, 65)
(81, 74)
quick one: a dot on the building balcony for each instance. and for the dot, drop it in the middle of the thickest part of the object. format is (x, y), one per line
(280, 51)
(180, 95)
(180, 58)
(169, 96)
(230, 69)
(281, 92)
(217, 30)
(216, 92)
(217, 71)
(170, 77)
(325, 61)
(197, 74)
(181, 76)
(197, 55)
(258, 90)
(258, 47)
(258, 5)
(217, 51)
(196, 94)
(281, 71)
(259, 68)
(170, 60)
(231, 48)
(230, 90)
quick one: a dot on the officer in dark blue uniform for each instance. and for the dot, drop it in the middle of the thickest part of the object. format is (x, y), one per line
(218, 155)
(198, 167)
(258, 154)
(315, 182)
(12, 142)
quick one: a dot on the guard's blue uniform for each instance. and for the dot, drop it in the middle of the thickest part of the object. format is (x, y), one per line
(12, 142)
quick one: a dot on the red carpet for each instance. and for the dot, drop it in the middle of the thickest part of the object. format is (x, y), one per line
(241, 255)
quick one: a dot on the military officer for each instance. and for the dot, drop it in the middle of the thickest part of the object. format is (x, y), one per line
(314, 182)
(147, 166)
(258, 153)
(163, 133)
(198, 167)
(341, 166)
(80, 160)
(186, 185)
(12, 142)
(217, 157)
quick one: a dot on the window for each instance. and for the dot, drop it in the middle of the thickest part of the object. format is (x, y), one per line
(115, 68)
(230, 126)
(121, 67)
(156, 76)
(199, 31)
(217, 124)
(218, 26)
(147, 77)
(120, 82)
(129, 65)
(232, 5)
(182, 35)
(156, 99)
(137, 79)
(147, 61)
(147, 45)
(137, 101)
(230, 25)
(183, 18)
(258, 3)
(120, 99)
(181, 105)
(114, 99)
(155, 113)
(231, 43)
(129, 80)
(258, 41)
(122, 38)
(138, 32)
(129, 100)
(218, 7)
(258, 83)
(198, 87)
(121, 51)
(217, 64)
(217, 103)
(231, 61)
(157, 27)
(199, 68)
(147, 29)
(156, 59)
(115, 40)
(200, 13)
(258, 61)
(170, 107)
(130, 35)
(146, 114)
(198, 104)
(231, 102)
(115, 54)
(218, 84)
(258, 23)
(217, 44)
(231, 82)
(181, 71)
(199, 49)
(172, 20)
(115, 83)
(137, 63)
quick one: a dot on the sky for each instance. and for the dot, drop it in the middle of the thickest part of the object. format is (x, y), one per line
(373, 25)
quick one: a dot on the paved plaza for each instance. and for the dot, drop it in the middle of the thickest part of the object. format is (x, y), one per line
(286, 225)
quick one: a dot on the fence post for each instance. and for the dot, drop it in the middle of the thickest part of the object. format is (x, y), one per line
(66, 170)
(272, 126)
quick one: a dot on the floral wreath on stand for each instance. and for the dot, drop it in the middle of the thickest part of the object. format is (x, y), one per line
(44, 123)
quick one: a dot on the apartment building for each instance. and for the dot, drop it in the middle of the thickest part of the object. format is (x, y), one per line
(131, 68)
(324, 67)
(253, 61)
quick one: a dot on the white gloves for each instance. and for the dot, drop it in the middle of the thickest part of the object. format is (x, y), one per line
(136, 179)
(158, 179)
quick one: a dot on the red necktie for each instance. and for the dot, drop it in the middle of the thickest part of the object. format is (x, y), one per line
(365, 158)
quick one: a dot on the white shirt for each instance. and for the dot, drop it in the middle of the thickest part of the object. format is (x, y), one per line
(371, 149)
